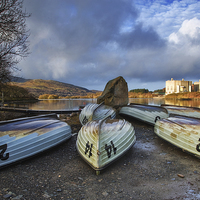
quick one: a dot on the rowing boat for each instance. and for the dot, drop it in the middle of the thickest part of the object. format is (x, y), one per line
(183, 110)
(93, 111)
(147, 113)
(101, 142)
(183, 132)
(25, 137)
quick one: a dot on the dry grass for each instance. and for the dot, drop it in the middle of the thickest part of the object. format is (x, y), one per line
(185, 95)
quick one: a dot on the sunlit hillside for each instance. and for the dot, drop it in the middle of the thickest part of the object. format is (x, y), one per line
(39, 87)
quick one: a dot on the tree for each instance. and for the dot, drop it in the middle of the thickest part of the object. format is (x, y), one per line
(140, 91)
(161, 91)
(13, 92)
(13, 37)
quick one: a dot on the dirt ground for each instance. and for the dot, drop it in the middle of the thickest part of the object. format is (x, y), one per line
(152, 169)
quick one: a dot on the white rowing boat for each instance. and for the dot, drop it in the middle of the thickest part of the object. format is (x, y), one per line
(25, 137)
(183, 132)
(93, 111)
(101, 142)
(183, 110)
(147, 113)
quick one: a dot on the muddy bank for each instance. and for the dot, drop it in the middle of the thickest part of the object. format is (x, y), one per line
(10, 115)
(152, 169)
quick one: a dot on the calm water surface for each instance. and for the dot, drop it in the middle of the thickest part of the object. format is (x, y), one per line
(65, 104)
(61, 104)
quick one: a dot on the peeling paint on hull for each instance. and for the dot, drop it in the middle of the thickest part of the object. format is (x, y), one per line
(146, 113)
(102, 142)
(26, 137)
(183, 132)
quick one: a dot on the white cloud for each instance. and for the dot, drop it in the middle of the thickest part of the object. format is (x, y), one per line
(189, 28)
(167, 17)
(174, 38)
(58, 67)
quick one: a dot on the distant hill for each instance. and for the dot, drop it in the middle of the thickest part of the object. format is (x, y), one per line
(39, 87)
(19, 79)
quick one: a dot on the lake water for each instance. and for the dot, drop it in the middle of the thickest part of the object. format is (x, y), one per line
(65, 104)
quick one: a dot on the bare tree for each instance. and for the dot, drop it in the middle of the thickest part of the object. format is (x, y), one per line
(13, 37)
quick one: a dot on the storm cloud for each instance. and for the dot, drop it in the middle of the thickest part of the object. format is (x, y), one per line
(87, 43)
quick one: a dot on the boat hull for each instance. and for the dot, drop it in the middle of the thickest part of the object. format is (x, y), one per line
(183, 132)
(102, 142)
(26, 137)
(94, 111)
(145, 113)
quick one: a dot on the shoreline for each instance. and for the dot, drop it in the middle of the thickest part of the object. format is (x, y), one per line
(151, 169)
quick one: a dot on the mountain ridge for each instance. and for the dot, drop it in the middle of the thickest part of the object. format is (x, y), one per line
(39, 87)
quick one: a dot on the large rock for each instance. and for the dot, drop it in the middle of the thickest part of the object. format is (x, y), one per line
(115, 93)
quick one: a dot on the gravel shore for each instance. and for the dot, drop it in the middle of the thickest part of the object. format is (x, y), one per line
(152, 169)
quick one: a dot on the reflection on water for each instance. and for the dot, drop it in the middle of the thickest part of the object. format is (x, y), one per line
(159, 101)
(65, 104)
(147, 101)
(189, 103)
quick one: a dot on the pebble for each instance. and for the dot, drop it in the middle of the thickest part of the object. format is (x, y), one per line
(162, 154)
(17, 197)
(190, 183)
(181, 176)
(46, 195)
(105, 194)
(8, 195)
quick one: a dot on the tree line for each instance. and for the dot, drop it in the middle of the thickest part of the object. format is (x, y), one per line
(144, 91)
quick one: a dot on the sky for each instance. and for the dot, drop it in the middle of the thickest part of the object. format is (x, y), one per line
(89, 42)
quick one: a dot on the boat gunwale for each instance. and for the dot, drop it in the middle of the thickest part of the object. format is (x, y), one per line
(52, 115)
(139, 119)
(181, 117)
(195, 108)
(153, 106)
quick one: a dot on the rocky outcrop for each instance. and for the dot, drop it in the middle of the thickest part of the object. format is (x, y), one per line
(115, 93)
